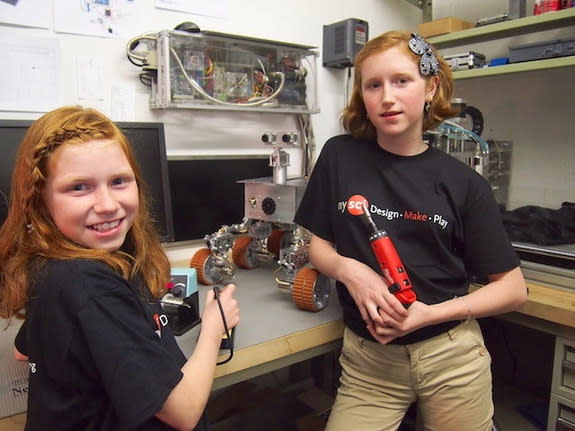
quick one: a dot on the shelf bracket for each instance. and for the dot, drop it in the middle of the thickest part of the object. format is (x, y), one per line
(426, 8)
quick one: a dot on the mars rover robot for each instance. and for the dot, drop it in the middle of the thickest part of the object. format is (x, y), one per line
(267, 233)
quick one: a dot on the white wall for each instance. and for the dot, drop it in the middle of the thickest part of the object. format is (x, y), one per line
(294, 21)
(532, 109)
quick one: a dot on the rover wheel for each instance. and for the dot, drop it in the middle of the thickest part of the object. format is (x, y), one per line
(203, 262)
(243, 252)
(310, 290)
(275, 242)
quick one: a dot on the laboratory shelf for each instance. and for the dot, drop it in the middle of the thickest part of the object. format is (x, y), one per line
(519, 26)
(526, 66)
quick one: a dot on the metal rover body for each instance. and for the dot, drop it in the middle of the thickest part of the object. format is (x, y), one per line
(267, 233)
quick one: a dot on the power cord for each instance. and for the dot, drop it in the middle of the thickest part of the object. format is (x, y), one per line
(216, 290)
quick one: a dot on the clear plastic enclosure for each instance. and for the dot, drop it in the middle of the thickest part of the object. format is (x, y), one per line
(220, 71)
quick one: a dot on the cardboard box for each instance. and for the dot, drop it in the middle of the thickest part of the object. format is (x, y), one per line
(442, 26)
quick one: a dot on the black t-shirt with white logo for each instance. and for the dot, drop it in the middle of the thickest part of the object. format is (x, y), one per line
(440, 214)
(100, 357)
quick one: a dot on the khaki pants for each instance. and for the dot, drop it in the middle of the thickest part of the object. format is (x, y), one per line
(448, 375)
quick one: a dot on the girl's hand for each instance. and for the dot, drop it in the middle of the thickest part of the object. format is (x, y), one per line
(371, 294)
(19, 356)
(418, 316)
(212, 318)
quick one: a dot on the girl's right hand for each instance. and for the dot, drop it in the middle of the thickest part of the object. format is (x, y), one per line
(212, 317)
(367, 288)
(371, 294)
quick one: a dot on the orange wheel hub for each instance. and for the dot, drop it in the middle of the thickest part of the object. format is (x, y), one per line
(303, 288)
(274, 242)
(198, 262)
(240, 252)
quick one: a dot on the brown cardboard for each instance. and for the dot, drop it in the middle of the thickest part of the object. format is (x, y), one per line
(442, 26)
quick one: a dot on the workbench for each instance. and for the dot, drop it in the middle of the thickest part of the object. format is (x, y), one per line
(273, 333)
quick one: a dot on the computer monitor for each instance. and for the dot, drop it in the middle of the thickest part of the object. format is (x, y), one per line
(206, 194)
(148, 141)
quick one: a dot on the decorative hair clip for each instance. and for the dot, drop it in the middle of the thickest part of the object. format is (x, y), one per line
(428, 64)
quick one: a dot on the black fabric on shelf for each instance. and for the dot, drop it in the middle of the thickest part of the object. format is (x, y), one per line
(544, 226)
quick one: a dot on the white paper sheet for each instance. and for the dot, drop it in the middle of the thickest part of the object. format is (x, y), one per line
(103, 18)
(28, 13)
(29, 76)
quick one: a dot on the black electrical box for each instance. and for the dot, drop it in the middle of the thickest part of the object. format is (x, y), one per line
(342, 41)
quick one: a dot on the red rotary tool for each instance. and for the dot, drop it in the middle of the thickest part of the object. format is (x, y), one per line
(385, 252)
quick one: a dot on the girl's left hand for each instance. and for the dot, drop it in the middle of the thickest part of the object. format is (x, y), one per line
(19, 356)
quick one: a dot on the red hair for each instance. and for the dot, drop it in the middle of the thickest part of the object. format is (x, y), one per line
(354, 117)
(29, 236)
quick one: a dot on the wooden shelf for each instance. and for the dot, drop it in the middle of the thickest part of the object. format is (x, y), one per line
(526, 66)
(530, 24)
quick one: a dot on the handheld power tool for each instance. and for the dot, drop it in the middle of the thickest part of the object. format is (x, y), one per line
(385, 252)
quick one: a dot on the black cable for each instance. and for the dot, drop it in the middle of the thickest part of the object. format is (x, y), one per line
(476, 119)
(216, 290)
(133, 62)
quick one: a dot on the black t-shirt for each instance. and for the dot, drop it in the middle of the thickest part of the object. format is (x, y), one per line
(440, 214)
(100, 357)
